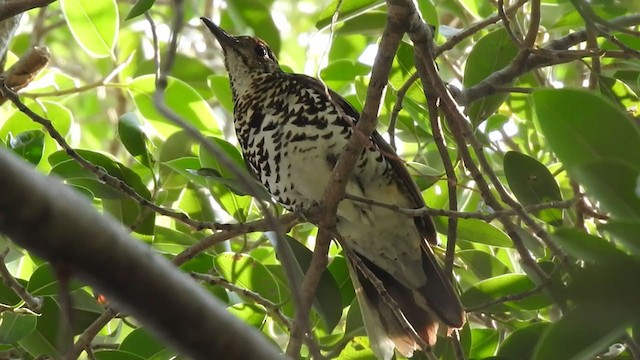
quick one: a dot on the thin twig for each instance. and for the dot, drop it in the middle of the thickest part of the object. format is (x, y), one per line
(402, 92)
(87, 336)
(506, 298)
(33, 303)
(230, 231)
(463, 214)
(452, 182)
(272, 308)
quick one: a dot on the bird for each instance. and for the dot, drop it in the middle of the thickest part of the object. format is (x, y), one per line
(292, 129)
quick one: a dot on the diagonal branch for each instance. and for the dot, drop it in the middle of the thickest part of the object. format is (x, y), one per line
(14, 7)
(128, 272)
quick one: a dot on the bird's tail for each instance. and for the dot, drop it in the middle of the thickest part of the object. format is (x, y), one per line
(423, 308)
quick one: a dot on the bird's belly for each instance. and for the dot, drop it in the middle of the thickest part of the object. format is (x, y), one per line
(297, 172)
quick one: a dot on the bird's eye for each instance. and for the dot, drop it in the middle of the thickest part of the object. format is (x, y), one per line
(261, 51)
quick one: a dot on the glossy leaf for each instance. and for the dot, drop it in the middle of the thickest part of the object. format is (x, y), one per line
(605, 158)
(484, 343)
(245, 271)
(626, 233)
(582, 333)
(222, 91)
(495, 288)
(28, 145)
(346, 9)
(491, 53)
(477, 231)
(141, 343)
(327, 300)
(93, 23)
(179, 97)
(521, 343)
(139, 8)
(44, 282)
(250, 314)
(133, 137)
(587, 247)
(14, 327)
(532, 183)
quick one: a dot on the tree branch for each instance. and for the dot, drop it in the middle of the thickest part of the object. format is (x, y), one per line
(14, 7)
(54, 222)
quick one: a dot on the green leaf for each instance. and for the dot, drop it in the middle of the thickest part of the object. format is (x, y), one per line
(521, 343)
(180, 98)
(29, 145)
(222, 91)
(116, 355)
(93, 23)
(370, 23)
(626, 233)
(490, 54)
(358, 348)
(14, 327)
(344, 70)
(143, 344)
(224, 173)
(139, 8)
(497, 287)
(484, 343)
(257, 15)
(114, 168)
(61, 119)
(475, 230)
(134, 139)
(582, 333)
(250, 314)
(340, 272)
(192, 70)
(44, 282)
(347, 10)
(483, 265)
(532, 183)
(603, 156)
(587, 247)
(328, 297)
(245, 271)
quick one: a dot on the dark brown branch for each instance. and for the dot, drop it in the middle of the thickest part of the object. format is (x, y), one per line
(87, 336)
(533, 61)
(128, 272)
(452, 182)
(14, 7)
(425, 64)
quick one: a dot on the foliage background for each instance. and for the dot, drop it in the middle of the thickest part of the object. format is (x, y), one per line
(562, 140)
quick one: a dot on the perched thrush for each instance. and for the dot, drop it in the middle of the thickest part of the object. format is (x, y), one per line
(292, 129)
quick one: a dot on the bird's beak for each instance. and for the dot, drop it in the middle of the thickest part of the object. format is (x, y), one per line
(225, 40)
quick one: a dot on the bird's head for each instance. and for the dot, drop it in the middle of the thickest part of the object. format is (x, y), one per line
(245, 57)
